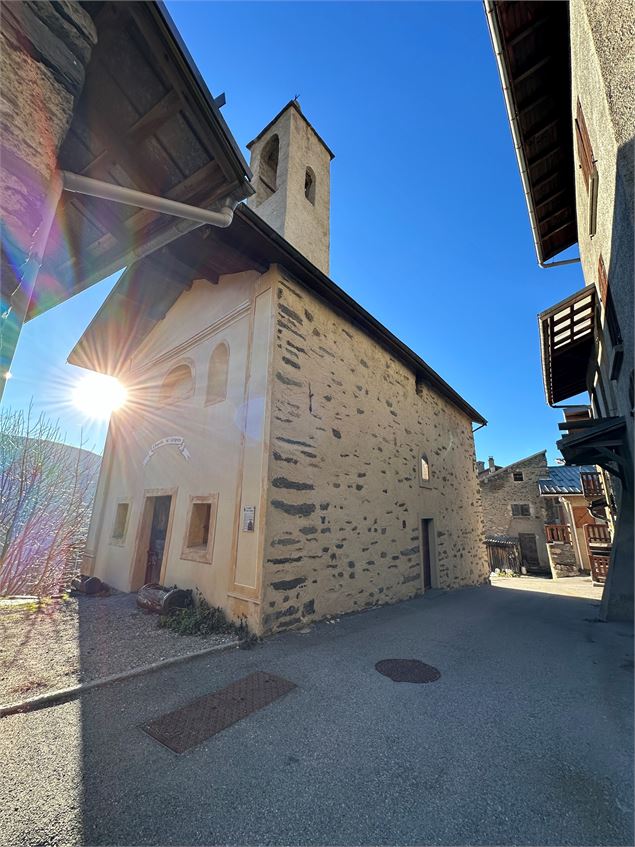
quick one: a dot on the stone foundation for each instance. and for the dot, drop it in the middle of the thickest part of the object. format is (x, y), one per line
(562, 560)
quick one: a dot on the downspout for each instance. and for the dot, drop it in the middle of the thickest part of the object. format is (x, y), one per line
(131, 197)
(190, 217)
(513, 123)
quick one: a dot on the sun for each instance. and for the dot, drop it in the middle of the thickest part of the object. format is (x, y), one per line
(98, 395)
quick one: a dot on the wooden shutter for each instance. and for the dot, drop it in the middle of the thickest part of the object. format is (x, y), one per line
(603, 280)
(585, 152)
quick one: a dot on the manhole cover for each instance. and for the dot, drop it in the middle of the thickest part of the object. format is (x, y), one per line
(407, 670)
(192, 724)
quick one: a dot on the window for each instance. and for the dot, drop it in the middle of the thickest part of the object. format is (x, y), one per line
(121, 522)
(521, 510)
(268, 172)
(424, 470)
(198, 532)
(518, 476)
(611, 321)
(217, 375)
(309, 186)
(177, 385)
(199, 535)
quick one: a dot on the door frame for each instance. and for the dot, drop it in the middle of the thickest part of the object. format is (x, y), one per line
(139, 559)
(432, 546)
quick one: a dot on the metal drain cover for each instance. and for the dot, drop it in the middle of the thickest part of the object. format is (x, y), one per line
(192, 724)
(407, 670)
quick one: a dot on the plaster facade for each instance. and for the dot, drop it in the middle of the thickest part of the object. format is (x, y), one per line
(602, 35)
(217, 453)
(302, 220)
(603, 68)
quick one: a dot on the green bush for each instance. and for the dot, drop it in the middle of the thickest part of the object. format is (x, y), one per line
(202, 619)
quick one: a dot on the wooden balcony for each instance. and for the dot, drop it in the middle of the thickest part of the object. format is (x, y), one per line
(558, 532)
(599, 568)
(592, 484)
(597, 534)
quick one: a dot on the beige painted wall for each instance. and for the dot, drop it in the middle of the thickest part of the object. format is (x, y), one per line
(224, 441)
(304, 224)
(345, 504)
(603, 68)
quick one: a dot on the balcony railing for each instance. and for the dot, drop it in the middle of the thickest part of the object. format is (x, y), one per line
(558, 532)
(597, 533)
(591, 484)
(599, 568)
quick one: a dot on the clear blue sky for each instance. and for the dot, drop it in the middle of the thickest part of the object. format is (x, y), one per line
(429, 228)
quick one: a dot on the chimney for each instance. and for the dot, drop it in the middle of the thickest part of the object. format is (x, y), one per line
(480, 467)
(491, 464)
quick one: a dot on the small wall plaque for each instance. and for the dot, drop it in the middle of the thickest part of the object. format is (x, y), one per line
(249, 518)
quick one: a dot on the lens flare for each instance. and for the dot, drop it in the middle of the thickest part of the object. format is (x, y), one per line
(98, 395)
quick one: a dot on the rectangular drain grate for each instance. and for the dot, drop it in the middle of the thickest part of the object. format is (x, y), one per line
(190, 725)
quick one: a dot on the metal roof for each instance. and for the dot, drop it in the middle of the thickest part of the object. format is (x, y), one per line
(564, 479)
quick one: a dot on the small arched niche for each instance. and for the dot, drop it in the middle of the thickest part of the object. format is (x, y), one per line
(309, 185)
(178, 385)
(217, 374)
(268, 171)
(424, 469)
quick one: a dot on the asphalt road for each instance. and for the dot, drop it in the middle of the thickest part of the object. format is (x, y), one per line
(527, 738)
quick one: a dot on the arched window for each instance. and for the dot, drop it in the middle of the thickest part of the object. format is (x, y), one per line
(309, 186)
(217, 374)
(424, 469)
(177, 385)
(268, 173)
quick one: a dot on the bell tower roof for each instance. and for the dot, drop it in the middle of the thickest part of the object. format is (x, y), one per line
(292, 104)
(291, 175)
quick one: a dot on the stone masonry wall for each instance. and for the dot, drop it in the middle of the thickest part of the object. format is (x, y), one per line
(44, 50)
(345, 504)
(499, 491)
(562, 560)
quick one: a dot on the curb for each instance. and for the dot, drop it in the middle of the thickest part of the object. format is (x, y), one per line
(65, 694)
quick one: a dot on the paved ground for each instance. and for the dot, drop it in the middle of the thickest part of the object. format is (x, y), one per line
(527, 738)
(81, 639)
(571, 586)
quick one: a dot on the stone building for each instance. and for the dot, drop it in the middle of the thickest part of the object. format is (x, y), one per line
(514, 509)
(545, 519)
(567, 72)
(282, 451)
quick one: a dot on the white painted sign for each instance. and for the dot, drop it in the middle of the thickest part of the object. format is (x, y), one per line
(173, 440)
(249, 518)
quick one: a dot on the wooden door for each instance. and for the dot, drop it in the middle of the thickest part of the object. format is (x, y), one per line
(426, 558)
(158, 532)
(529, 551)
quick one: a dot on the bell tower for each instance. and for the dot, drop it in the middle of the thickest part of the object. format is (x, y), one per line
(291, 167)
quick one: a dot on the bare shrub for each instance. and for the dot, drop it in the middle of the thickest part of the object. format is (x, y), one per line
(46, 494)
